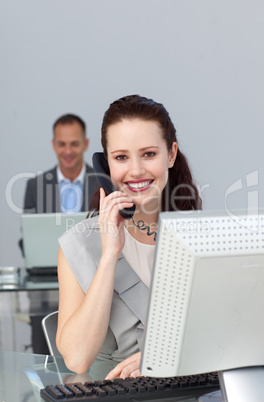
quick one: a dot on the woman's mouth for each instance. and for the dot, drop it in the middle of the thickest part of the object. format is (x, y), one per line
(138, 185)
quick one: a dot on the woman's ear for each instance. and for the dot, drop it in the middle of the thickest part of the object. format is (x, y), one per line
(173, 154)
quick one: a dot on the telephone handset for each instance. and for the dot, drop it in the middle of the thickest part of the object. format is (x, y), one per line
(102, 172)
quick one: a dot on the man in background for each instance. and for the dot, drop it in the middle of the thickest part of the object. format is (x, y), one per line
(68, 188)
(70, 185)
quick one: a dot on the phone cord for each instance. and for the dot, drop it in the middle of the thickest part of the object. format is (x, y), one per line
(142, 226)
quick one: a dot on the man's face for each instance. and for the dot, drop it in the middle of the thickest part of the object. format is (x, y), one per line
(69, 143)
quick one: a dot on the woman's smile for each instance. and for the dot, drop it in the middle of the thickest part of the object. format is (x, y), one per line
(139, 185)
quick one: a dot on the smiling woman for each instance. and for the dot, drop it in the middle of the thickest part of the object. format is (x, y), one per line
(139, 161)
(105, 269)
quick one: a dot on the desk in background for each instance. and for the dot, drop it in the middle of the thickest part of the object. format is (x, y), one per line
(24, 301)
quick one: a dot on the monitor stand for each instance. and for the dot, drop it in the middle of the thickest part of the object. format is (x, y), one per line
(243, 385)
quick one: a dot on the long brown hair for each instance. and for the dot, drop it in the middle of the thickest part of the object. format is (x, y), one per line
(180, 192)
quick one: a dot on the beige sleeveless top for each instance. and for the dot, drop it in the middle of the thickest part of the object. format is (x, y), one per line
(81, 246)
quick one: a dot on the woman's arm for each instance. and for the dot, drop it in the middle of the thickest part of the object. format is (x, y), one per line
(83, 319)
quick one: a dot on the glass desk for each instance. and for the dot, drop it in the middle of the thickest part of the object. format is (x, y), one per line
(24, 300)
(17, 279)
(23, 375)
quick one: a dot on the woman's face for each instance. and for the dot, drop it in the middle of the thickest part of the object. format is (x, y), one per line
(139, 160)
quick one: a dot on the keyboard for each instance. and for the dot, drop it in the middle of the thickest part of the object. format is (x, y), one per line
(131, 389)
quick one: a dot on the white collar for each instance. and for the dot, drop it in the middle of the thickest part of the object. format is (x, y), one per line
(61, 177)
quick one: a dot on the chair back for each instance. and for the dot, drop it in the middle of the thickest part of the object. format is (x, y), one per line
(49, 325)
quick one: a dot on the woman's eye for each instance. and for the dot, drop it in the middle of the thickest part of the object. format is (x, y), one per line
(149, 154)
(120, 157)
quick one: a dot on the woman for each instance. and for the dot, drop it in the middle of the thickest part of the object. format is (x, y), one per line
(105, 262)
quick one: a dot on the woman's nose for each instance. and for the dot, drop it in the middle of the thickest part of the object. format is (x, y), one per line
(137, 168)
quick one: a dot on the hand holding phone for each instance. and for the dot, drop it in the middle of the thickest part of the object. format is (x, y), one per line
(102, 172)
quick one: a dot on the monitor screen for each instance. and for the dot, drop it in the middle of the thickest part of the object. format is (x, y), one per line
(206, 301)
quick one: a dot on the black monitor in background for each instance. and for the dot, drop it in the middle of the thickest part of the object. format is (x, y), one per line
(206, 307)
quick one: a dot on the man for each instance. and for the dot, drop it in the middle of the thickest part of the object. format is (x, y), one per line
(70, 185)
(67, 188)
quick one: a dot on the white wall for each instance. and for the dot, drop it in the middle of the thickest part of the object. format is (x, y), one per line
(203, 59)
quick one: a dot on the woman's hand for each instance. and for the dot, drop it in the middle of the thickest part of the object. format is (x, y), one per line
(127, 368)
(111, 223)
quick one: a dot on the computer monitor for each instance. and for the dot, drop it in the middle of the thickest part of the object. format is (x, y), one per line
(40, 233)
(206, 301)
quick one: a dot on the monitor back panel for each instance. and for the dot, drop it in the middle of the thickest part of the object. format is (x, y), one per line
(207, 295)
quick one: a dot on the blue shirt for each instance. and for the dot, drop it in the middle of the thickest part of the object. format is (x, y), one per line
(71, 193)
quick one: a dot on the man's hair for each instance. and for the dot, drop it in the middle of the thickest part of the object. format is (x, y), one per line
(70, 119)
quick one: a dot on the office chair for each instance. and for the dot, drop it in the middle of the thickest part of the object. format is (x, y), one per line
(49, 325)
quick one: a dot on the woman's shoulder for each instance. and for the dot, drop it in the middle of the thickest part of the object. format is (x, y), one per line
(81, 246)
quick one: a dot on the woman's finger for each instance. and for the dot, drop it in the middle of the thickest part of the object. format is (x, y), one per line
(117, 201)
(135, 374)
(130, 371)
(102, 197)
(126, 367)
